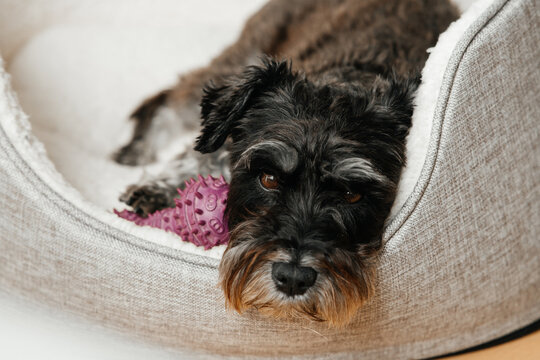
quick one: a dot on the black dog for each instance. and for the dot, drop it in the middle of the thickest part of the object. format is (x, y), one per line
(315, 146)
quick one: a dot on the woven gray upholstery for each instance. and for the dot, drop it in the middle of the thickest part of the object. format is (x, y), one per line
(461, 263)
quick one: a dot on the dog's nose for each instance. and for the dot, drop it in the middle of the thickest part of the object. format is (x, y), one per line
(292, 279)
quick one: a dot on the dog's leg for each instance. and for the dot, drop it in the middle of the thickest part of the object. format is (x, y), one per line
(154, 121)
(158, 192)
(162, 117)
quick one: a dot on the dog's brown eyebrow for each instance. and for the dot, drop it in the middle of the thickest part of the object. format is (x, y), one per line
(278, 154)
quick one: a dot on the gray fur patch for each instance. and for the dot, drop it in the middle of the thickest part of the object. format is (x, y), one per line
(358, 168)
(283, 154)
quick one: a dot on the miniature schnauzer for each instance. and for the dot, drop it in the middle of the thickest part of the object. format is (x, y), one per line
(313, 146)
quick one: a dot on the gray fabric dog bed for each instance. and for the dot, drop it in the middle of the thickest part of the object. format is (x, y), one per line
(461, 261)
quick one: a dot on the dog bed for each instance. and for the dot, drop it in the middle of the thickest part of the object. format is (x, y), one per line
(461, 261)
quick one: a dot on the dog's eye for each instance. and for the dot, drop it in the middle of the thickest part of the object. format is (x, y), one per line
(269, 181)
(351, 197)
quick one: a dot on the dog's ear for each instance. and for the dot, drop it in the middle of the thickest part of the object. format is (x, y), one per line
(223, 107)
(394, 102)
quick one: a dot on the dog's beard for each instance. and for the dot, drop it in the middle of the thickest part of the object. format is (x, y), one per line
(344, 283)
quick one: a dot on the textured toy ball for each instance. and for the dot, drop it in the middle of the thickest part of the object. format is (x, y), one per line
(199, 215)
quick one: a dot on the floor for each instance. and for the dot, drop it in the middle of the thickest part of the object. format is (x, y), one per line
(525, 348)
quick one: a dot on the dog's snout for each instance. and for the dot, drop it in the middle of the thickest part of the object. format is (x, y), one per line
(292, 279)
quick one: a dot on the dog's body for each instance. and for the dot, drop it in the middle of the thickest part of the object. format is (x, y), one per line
(315, 145)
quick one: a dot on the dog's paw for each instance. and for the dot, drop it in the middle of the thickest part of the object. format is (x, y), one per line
(146, 199)
(133, 154)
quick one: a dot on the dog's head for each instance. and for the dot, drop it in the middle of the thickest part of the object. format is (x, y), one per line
(314, 173)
